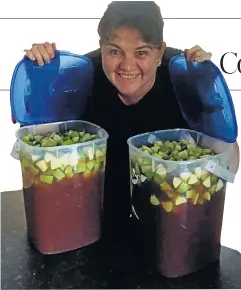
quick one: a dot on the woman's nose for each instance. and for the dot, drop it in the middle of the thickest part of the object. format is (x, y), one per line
(128, 63)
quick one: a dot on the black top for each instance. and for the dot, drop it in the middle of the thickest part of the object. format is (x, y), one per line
(157, 110)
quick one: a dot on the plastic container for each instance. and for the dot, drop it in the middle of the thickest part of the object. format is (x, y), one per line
(63, 188)
(178, 205)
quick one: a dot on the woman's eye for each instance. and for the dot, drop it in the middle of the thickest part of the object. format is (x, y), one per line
(115, 52)
(141, 53)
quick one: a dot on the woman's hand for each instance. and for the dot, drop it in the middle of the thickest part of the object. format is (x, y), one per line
(197, 54)
(41, 53)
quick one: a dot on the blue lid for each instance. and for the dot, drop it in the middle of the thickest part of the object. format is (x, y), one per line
(54, 92)
(204, 98)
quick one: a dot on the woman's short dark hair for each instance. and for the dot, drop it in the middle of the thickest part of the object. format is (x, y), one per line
(144, 16)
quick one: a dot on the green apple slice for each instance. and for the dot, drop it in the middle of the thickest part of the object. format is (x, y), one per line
(207, 182)
(55, 163)
(183, 187)
(154, 200)
(81, 166)
(193, 179)
(219, 185)
(214, 179)
(90, 164)
(190, 193)
(35, 157)
(176, 182)
(68, 170)
(47, 179)
(207, 195)
(73, 158)
(89, 152)
(180, 199)
(198, 172)
(58, 174)
(212, 189)
(204, 175)
(48, 157)
(185, 176)
(146, 168)
(167, 206)
(195, 196)
(160, 174)
(64, 159)
(42, 165)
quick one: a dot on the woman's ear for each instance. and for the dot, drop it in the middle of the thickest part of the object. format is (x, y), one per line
(161, 52)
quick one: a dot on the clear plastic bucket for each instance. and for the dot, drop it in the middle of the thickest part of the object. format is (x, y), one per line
(178, 205)
(63, 187)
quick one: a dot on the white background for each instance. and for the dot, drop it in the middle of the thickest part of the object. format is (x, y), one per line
(80, 36)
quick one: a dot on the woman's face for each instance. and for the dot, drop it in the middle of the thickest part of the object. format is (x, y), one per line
(130, 63)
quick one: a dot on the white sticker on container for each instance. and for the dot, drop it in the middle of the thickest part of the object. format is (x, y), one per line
(15, 150)
(220, 171)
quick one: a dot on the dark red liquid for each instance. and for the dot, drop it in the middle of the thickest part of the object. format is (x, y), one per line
(65, 215)
(182, 241)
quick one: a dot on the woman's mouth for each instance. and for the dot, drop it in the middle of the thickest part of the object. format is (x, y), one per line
(128, 76)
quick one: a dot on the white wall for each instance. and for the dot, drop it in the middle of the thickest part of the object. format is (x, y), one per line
(80, 36)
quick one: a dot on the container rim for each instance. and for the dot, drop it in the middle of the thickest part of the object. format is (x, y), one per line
(106, 135)
(184, 162)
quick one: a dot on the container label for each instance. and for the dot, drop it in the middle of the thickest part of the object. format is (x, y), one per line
(220, 171)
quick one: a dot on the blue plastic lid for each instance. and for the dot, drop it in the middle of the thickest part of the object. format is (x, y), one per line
(204, 98)
(54, 92)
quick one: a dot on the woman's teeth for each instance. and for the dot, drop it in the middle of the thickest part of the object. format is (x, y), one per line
(128, 76)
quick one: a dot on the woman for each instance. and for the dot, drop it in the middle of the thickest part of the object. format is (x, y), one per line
(132, 92)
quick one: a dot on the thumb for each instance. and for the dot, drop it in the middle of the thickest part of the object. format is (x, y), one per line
(54, 46)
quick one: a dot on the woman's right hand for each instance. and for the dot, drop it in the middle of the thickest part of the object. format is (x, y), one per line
(41, 52)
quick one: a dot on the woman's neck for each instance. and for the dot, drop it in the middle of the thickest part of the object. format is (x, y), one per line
(135, 98)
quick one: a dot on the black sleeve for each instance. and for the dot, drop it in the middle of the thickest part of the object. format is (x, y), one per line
(169, 53)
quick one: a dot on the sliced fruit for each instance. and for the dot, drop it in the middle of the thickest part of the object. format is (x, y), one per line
(198, 172)
(207, 182)
(68, 170)
(212, 189)
(167, 205)
(214, 179)
(154, 200)
(64, 159)
(204, 175)
(42, 165)
(86, 137)
(183, 154)
(137, 169)
(35, 157)
(68, 142)
(89, 152)
(48, 157)
(193, 179)
(207, 196)
(73, 158)
(195, 196)
(183, 187)
(90, 164)
(47, 179)
(185, 176)
(160, 174)
(55, 163)
(176, 182)
(146, 168)
(81, 166)
(190, 193)
(47, 142)
(219, 185)
(58, 174)
(99, 155)
(168, 189)
(180, 199)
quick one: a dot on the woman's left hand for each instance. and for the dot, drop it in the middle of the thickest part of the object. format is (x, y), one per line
(197, 54)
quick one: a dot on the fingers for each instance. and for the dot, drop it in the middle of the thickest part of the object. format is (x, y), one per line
(197, 54)
(41, 53)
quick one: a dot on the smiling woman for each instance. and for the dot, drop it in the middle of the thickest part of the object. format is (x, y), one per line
(132, 92)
